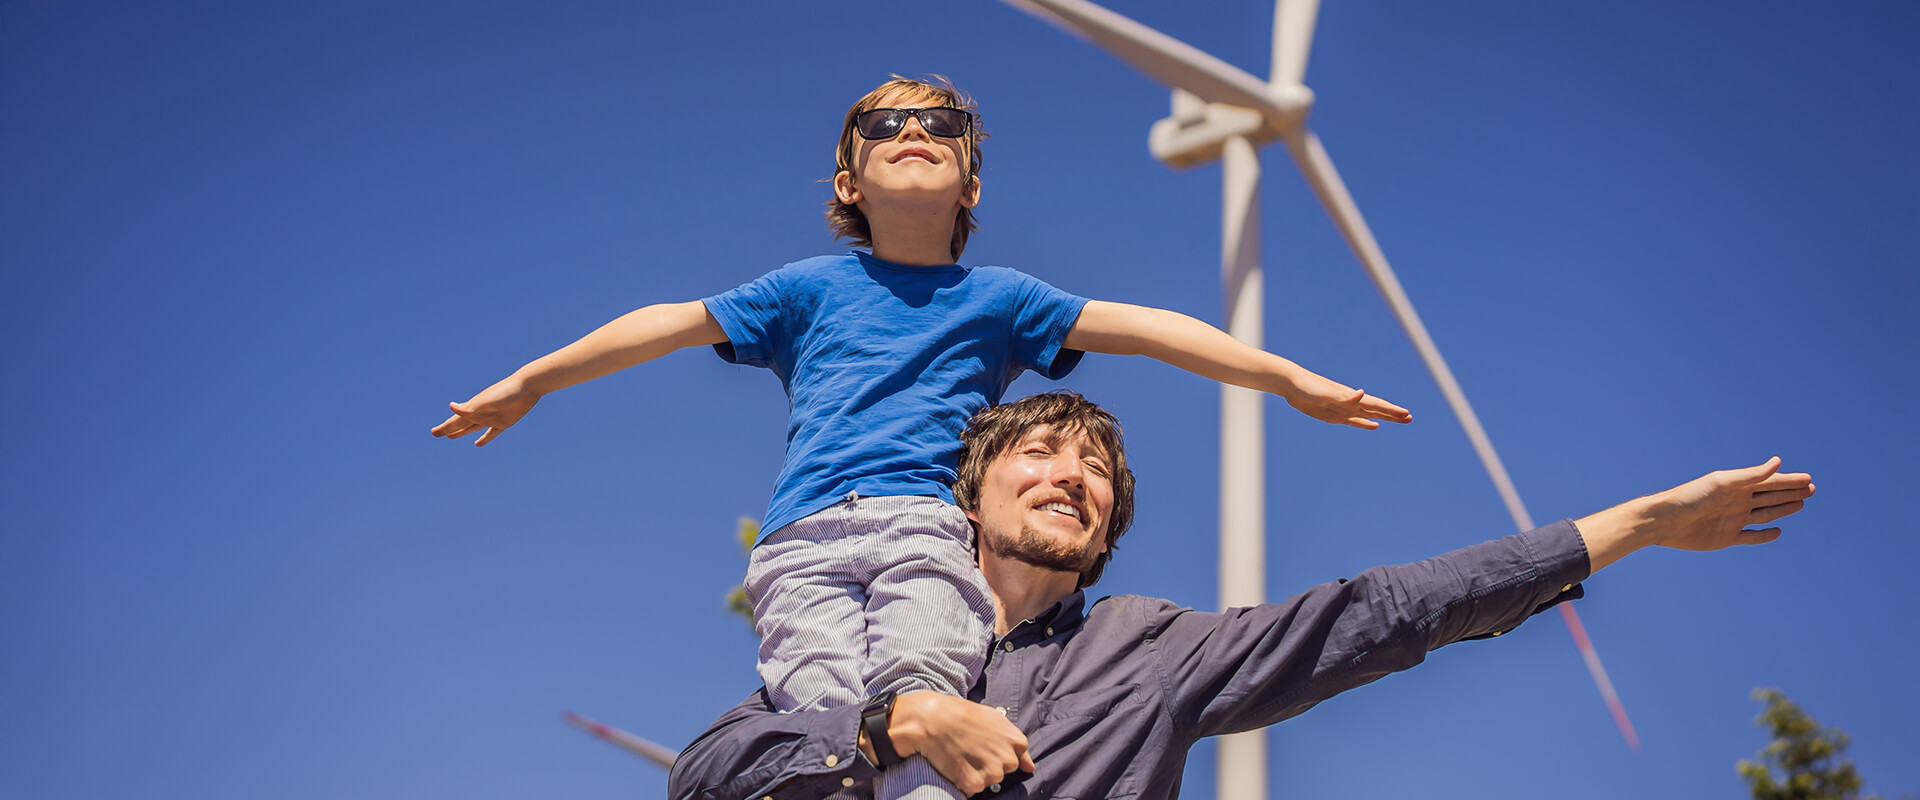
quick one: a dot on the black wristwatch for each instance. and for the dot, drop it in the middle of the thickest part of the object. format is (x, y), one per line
(873, 720)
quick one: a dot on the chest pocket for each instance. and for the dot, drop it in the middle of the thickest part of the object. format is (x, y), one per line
(1081, 741)
(1089, 704)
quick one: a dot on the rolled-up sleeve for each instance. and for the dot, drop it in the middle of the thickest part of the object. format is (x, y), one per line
(752, 752)
(1249, 667)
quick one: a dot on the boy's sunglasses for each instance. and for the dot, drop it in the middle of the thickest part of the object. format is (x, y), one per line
(885, 123)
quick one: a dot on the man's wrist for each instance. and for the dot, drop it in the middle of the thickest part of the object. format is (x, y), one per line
(903, 726)
(1618, 531)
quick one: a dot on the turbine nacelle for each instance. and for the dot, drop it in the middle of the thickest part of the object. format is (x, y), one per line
(1197, 131)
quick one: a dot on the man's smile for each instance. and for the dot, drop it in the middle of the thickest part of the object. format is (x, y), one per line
(1064, 507)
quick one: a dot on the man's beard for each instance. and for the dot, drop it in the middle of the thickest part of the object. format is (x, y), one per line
(1034, 548)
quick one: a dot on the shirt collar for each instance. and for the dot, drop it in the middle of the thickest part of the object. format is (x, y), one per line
(1064, 615)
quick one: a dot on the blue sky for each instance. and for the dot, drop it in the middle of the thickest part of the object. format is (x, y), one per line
(250, 251)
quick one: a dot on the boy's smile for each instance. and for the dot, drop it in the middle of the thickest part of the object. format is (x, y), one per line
(921, 153)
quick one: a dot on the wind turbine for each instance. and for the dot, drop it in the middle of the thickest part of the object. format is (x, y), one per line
(1220, 111)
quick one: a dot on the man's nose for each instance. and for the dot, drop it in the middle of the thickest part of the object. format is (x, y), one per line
(1068, 471)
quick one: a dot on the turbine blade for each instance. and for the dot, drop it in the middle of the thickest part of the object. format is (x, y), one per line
(1312, 158)
(1163, 58)
(1599, 673)
(1326, 184)
(1292, 39)
(645, 749)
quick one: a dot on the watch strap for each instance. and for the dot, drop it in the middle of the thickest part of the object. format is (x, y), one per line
(873, 720)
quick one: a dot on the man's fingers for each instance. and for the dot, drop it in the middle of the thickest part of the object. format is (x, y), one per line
(970, 785)
(1762, 536)
(1771, 513)
(1362, 422)
(1785, 480)
(1759, 472)
(1777, 496)
(487, 437)
(1026, 761)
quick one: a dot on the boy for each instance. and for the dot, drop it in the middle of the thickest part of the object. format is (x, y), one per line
(863, 582)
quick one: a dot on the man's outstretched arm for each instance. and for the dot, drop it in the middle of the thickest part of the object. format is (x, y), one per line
(1252, 667)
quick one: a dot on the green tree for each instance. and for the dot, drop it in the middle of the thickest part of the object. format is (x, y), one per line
(1809, 758)
(748, 533)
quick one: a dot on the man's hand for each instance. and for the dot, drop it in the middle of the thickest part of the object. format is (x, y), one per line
(1710, 512)
(972, 745)
(495, 409)
(1330, 401)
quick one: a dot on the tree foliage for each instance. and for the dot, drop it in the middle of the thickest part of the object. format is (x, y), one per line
(748, 533)
(1809, 759)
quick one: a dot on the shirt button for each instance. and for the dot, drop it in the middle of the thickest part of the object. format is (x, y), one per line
(1007, 645)
(846, 781)
(833, 760)
(1001, 709)
(1049, 630)
(994, 788)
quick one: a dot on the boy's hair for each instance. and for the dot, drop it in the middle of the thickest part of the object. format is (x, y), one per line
(845, 219)
(996, 429)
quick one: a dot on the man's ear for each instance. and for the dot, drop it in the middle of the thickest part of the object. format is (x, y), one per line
(844, 188)
(971, 197)
(973, 517)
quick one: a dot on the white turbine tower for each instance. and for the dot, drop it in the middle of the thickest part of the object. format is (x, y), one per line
(1220, 111)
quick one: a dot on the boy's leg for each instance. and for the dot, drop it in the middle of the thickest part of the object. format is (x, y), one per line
(929, 618)
(808, 608)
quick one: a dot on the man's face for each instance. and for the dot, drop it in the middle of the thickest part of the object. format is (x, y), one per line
(911, 166)
(1046, 500)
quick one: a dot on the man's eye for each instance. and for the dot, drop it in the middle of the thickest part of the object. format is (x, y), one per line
(1097, 467)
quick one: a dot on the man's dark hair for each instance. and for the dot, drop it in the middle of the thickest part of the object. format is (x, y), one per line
(995, 429)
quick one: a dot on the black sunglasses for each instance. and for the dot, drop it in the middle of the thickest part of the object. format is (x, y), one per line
(885, 123)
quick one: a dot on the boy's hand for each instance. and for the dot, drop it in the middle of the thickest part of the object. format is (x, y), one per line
(1329, 401)
(495, 409)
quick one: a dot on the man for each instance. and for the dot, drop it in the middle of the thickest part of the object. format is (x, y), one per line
(1105, 701)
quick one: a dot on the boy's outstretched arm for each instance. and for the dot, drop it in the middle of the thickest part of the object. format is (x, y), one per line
(1195, 346)
(642, 335)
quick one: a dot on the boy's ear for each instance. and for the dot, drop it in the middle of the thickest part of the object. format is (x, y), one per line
(844, 188)
(971, 197)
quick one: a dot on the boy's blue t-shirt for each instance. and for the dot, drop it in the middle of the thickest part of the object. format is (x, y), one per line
(884, 364)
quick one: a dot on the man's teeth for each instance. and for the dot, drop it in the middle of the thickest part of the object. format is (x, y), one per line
(1062, 508)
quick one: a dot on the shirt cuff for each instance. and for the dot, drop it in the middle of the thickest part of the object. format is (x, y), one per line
(827, 760)
(1560, 563)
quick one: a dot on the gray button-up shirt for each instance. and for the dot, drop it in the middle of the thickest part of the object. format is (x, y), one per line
(1111, 699)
